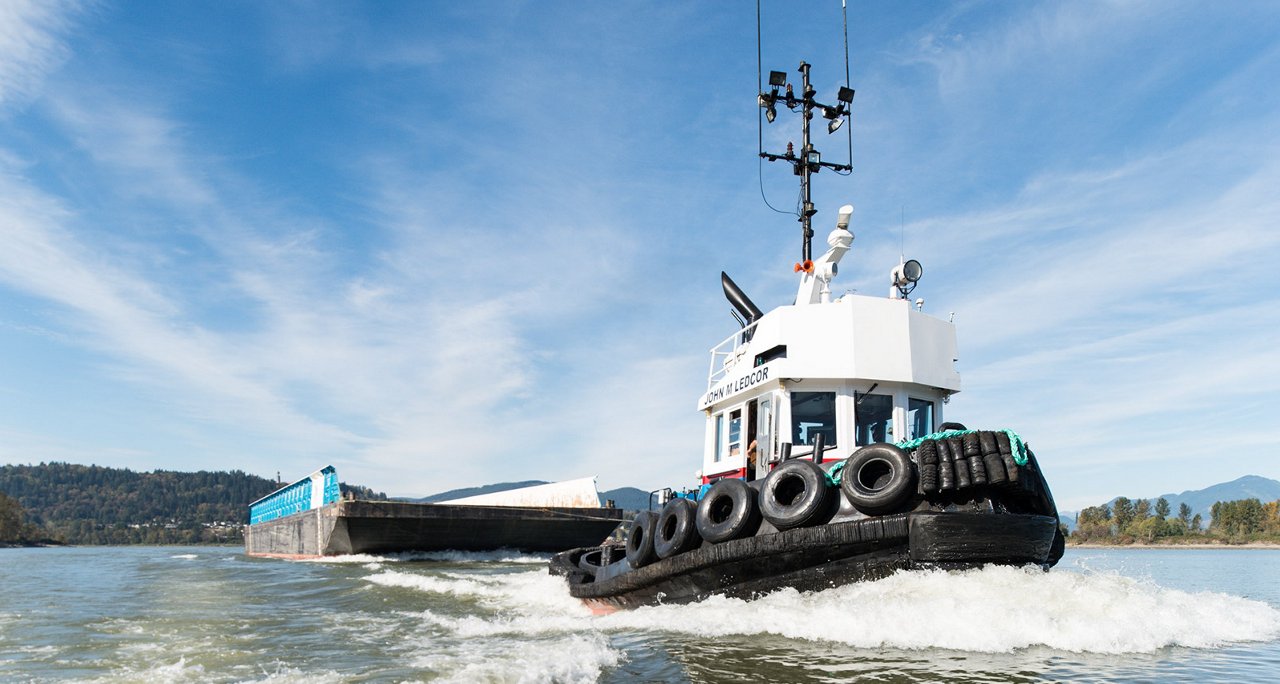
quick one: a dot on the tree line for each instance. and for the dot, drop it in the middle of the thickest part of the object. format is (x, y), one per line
(1126, 521)
(77, 504)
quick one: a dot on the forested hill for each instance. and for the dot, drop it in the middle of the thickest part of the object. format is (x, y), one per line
(81, 504)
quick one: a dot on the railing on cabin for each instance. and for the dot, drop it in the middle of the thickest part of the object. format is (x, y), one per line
(725, 356)
(316, 490)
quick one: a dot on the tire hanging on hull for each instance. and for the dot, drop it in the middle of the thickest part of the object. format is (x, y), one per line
(676, 530)
(727, 511)
(640, 539)
(796, 494)
(879, 478)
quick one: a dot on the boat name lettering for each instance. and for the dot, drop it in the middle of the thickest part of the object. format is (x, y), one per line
(748, 380)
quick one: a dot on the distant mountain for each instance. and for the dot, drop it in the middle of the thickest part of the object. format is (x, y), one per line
(1248, 487)
(1201, 500)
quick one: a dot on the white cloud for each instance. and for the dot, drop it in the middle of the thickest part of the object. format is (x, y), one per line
(30, 46)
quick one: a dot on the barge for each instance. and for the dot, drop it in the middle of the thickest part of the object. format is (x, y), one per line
(309, 519)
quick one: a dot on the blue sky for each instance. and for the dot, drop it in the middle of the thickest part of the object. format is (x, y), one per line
(447, 244)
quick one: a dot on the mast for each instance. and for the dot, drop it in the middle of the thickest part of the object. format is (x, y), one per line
(809, 161)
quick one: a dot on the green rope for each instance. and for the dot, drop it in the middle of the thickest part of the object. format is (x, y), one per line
(1019, 446)
(833, 475)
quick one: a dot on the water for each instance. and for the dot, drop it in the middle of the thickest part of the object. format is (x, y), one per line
(165, 614)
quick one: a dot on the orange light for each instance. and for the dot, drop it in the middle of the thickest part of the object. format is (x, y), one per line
(808, 266)
(797, 268)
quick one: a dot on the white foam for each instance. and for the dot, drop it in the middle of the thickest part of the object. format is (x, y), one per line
(351, 559)
(523, 592)
(185, 556)
(163, 673)
(289, 675)
(573, 658)
(992, 610)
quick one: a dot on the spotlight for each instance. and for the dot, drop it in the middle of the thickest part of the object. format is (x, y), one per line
(835, 124)
(845, 95)
(770, 113)
(905, 276)
(777, 79)
(912, 270)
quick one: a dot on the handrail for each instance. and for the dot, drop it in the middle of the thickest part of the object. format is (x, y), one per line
(737, 340)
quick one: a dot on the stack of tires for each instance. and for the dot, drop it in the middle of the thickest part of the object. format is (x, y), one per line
(970, 460)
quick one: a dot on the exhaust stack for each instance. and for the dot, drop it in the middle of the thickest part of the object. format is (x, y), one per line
(739, 299)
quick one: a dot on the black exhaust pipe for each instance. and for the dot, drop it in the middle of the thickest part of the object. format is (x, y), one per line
(740, 300)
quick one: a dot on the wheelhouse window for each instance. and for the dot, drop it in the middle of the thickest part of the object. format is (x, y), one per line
(813, 413)
(874, 416)
(919, 417)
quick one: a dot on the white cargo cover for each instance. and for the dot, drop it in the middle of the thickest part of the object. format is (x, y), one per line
(580, 493)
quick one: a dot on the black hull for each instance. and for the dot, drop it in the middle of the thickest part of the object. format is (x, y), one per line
(881, 511)
(348, 527)
(816, 558)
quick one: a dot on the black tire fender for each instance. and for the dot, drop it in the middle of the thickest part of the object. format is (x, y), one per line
(795, 494)
(879, 478)
(947, 427)
(727, 511)
(640, 539)
(676, 531)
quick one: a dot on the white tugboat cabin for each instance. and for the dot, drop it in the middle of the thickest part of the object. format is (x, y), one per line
(845, 373)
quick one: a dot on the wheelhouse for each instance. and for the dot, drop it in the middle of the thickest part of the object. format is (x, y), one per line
(849, 373)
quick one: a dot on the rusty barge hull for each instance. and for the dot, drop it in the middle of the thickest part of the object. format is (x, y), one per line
(378, 527)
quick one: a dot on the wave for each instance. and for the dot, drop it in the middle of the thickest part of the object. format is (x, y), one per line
(991, 610)
(570, 658)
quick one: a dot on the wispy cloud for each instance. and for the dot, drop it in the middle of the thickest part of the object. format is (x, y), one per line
(30, 46)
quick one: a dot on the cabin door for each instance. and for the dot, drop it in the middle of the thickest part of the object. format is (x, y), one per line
(762, 413)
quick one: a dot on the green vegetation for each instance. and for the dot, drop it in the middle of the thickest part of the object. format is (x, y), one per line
(1126, 522)
(14, 528)
(78, 504)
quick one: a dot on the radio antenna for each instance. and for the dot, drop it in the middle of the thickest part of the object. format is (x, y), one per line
(807, 161)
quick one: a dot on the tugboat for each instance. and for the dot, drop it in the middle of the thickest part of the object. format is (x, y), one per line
(825, 458)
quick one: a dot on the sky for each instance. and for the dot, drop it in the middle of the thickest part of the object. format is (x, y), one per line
(444, 244)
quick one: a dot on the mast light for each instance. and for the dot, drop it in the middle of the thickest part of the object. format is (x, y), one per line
(905, 276)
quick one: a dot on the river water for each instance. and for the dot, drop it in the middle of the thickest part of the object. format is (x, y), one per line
(202, 614)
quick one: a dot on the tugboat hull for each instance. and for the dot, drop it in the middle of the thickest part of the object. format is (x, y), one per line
(816, 558)
(1012, 522)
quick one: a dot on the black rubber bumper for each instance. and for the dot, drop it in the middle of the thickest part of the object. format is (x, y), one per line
(981, 538)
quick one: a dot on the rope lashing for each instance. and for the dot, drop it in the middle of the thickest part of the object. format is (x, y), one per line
(1019, 446)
